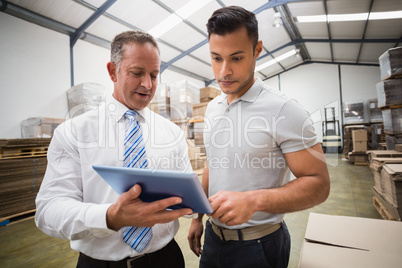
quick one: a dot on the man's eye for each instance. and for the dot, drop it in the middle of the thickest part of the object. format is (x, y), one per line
(135, 74)
(237, 59)
(216, 58)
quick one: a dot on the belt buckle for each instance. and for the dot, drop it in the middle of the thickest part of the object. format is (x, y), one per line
(133, 259)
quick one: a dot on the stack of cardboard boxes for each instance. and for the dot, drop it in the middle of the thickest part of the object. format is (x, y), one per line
(160, 104)
(359, 139)
(389, 93)
(386, 165)
(206, 95)
(22, 167)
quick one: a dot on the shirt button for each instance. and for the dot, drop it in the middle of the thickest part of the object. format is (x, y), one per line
(227, 110)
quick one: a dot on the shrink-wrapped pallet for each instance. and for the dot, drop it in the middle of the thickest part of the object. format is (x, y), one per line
(85, 97)
(391, 63)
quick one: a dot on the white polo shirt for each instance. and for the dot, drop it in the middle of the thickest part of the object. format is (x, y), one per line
(246, 142)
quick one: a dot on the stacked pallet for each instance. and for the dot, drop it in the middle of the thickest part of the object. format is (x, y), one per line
(206, 95)
(348, 140)
(391, 175)
(160, 103)
(22, 167)
(389, 93)
(387, 165)
(85, 97)
(377, 161)
(359, 140)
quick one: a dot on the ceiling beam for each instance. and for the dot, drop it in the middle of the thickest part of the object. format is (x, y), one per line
(275, 3)
(364, 31)
(323, 62)
(171, 11)
(329, 30)
(299, 41)
(32, 17)
(166, 65)
(270, 4)
(77, 33)
(112, 17)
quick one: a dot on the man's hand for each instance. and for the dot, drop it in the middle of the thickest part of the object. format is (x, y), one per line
(195, 234)
(232, 208)
(129, 210)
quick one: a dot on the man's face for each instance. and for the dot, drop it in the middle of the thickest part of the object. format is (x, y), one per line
(136, 80)
(233, 61)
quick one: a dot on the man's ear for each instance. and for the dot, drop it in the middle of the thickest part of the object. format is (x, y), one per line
(111, 68)
(258, 49)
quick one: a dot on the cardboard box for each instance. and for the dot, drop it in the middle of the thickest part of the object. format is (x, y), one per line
(398, 147)
(39, 127)
(376, 164)
(359, 135)
(340, 241)
(383, 153)
(389, 93)
(391, 183)
(392, 121)
(199, 109)
(387, 210)
(209, 93)
(360, 146)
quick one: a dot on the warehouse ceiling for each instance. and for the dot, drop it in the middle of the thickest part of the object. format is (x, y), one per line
(184, 47)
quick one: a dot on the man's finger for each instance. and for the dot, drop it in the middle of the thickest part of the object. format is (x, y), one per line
(170, 215)
(163, 204)
(198, 246)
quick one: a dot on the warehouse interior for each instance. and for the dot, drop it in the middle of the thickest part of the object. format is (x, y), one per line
(334, 65)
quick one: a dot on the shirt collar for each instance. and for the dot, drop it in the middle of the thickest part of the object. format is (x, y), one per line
(250, 96)
(118, 109)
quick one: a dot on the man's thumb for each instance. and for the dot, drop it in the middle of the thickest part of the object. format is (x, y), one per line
(136, 190)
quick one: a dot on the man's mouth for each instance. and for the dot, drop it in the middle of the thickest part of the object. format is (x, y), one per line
(226, 82)
(142, 94)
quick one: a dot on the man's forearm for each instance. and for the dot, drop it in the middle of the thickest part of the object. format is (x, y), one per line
(299, 194)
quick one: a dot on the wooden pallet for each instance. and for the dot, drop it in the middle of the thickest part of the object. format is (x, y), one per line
(9, 153)
(18, 217)
(382, 210)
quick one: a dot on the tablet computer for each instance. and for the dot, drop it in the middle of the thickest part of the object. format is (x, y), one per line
(158, 184)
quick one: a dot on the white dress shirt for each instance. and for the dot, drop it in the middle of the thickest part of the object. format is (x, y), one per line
(73, 198)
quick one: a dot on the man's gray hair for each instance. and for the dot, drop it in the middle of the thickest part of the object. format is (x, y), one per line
(117, 47)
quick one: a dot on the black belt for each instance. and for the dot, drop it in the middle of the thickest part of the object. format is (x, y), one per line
(138, 261)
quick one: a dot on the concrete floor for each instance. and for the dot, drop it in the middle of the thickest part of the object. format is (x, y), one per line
(23, 245)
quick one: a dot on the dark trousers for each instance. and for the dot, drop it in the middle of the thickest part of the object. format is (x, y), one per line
(168, 257)
(272, 250)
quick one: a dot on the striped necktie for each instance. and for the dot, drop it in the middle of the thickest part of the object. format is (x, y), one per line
(134, 157)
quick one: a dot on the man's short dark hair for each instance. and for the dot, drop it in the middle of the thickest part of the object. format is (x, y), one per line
(229, 19)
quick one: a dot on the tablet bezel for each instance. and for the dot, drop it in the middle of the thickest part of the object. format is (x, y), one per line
(158, 184)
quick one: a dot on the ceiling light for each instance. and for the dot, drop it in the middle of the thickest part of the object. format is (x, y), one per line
(190, 8)
(175, 18)
(165, 25)
(297, 54)
(386, 15)
(276, 60)
(352, 17)
(277, 20)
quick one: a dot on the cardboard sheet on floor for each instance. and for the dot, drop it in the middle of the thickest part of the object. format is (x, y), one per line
(341, 241)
